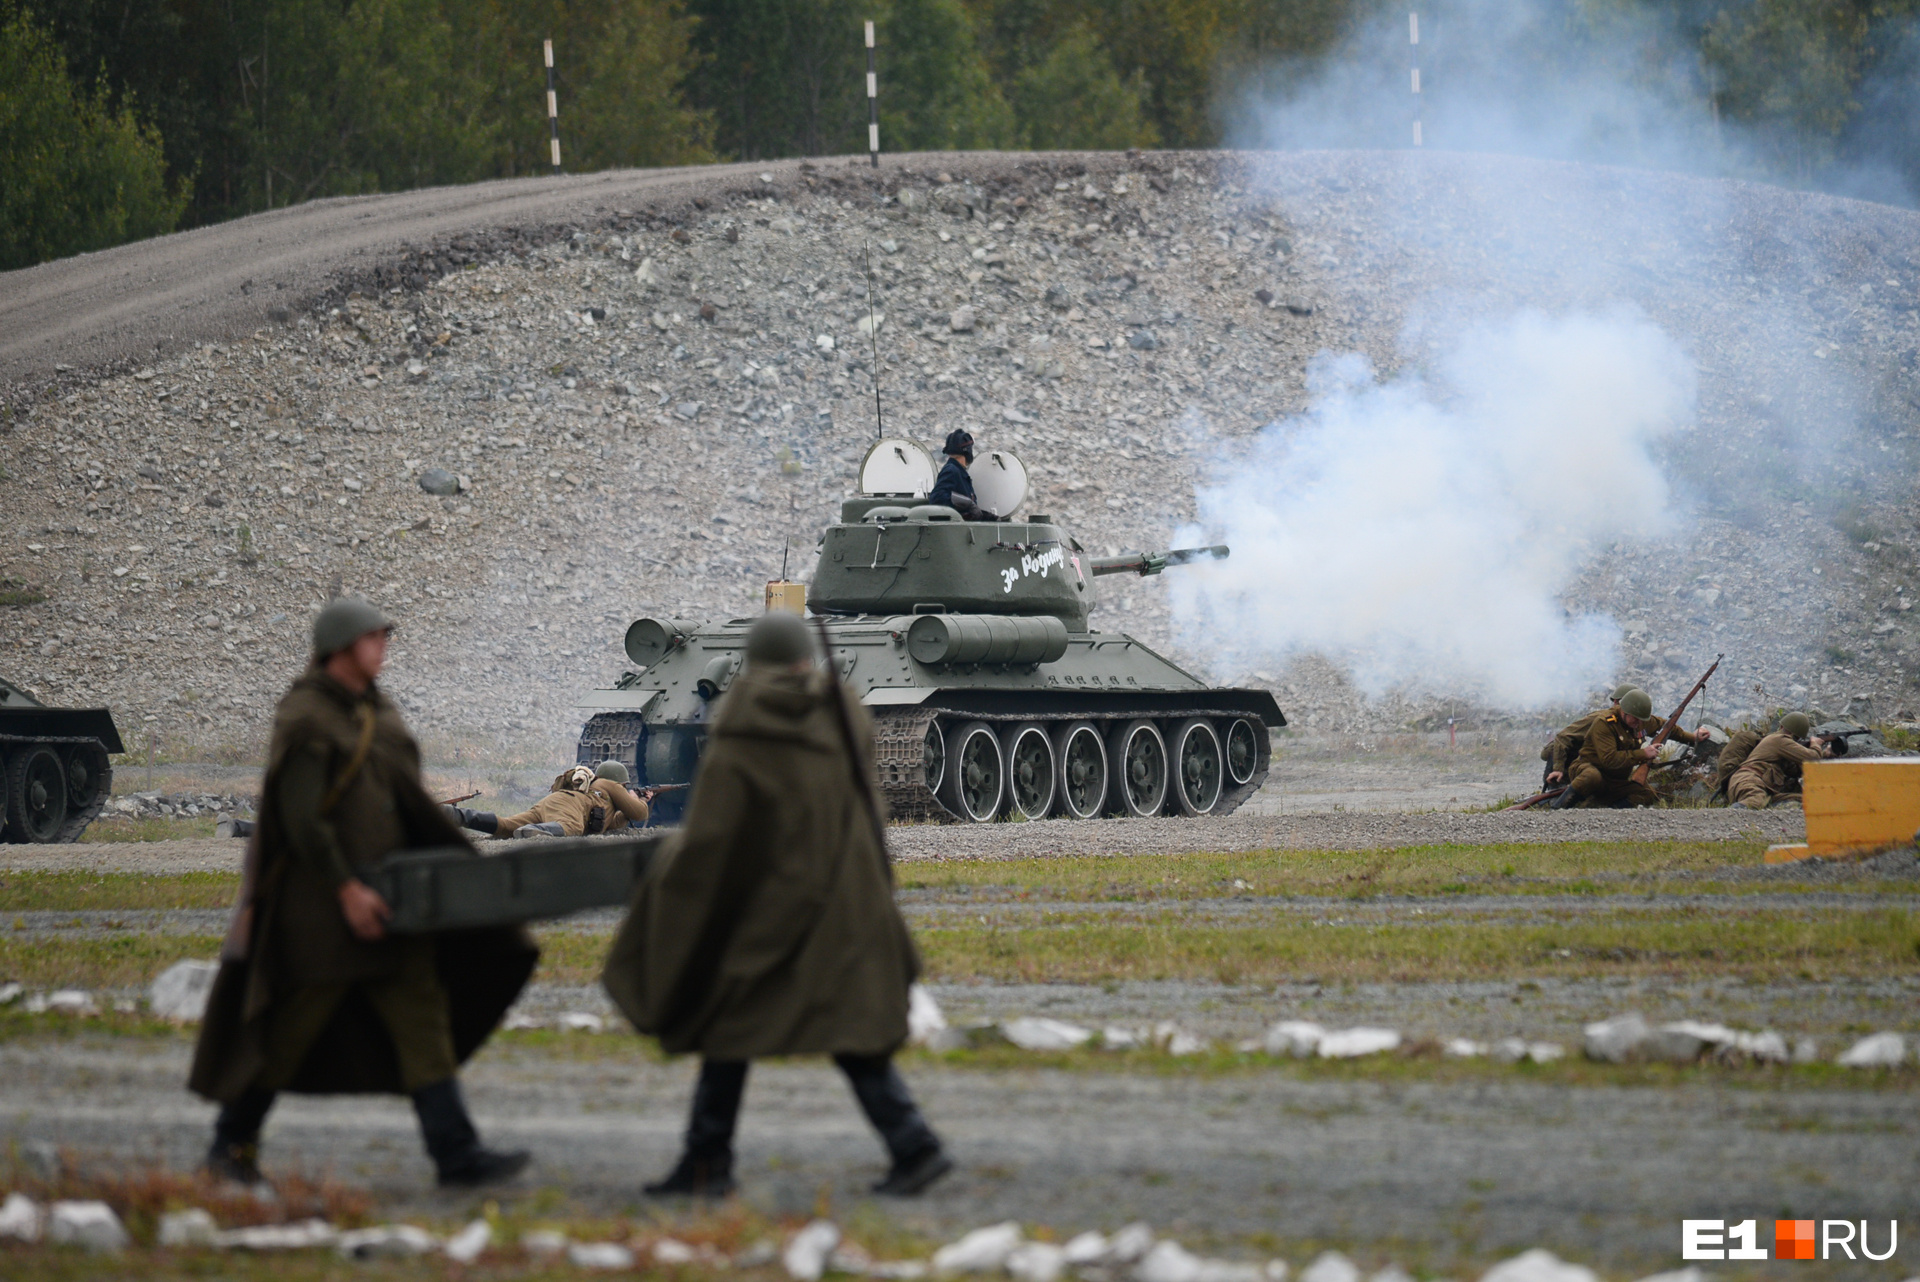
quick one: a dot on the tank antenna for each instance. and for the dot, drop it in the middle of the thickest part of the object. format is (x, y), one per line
(873, 332)
(784, 550)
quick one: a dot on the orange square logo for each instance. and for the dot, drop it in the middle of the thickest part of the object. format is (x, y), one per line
(1793, 1239)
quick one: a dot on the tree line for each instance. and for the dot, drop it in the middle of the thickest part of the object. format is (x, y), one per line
(125, 118)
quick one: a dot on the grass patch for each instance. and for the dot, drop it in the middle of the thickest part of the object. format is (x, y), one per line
(91, 891)
(1413, 870)
(124, 961)
(157, 828)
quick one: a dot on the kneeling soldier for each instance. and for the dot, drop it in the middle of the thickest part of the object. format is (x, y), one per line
(313, 995)
(1772, 770)
(769, 927)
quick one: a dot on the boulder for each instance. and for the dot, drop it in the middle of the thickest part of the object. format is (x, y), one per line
(437, 480)
(92, 1225)
(1330, 1266)
(386, 1242)
(467, 1245)
(191, 1227)
(304, 1236)
(1086, 1248)
(924, 1017)
(1351, 1043)
(541, 1243)
(805, 1256)
(1538, 1265)
(1036, 1262)
(1168, 1261)
(600, 1255)
(1616, 1040)
(180, 993)
(1881, 1050)
(21, 1218)
(1038, 1033)
(981, 1251)
(1130, 1243)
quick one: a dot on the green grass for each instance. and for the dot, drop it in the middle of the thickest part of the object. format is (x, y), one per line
(90, 891)
(1415, 870)
(154, 829)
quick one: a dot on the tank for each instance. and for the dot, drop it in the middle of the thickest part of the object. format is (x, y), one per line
(970, 645)
(53, 765)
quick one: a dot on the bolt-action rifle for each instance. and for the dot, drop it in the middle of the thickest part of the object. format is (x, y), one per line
(1640, 771)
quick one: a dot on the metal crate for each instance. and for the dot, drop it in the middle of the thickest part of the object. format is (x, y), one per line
(452, 888)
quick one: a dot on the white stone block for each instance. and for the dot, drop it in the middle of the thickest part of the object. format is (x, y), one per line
(981, 1251)
(92, 1225)
(181, 991)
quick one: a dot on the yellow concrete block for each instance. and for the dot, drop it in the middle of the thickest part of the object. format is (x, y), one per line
(1858, 805)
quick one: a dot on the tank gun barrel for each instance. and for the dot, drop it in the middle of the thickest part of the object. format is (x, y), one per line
(1153, 562)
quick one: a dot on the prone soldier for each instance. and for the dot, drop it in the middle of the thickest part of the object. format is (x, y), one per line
(1771, 772)
(582, 802)
(312, 994)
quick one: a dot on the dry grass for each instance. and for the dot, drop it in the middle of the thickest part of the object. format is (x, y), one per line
(154, 829)
(102, 892)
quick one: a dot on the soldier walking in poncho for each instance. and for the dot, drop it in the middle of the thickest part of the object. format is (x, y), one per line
(313, 995)
(769, 927)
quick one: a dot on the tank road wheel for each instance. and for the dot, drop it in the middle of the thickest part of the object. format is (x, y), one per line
(1198, 773)
(1082, 755)
(89, 777)
(36, 795)
(1032, 778)
(1243, 752)
(933, 757)
(1139, 757)
(974, 773)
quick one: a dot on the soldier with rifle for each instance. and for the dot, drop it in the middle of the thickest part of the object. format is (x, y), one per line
(313, 994)
(1772, 770)
(768, 927)
(1565, 746)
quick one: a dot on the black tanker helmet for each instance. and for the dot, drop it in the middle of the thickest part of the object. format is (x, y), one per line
(960, 441)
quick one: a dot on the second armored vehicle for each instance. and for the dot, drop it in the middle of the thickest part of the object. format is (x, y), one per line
(54, 769)
(969, 643)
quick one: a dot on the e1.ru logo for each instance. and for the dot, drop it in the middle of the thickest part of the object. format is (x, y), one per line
(1792, 1240)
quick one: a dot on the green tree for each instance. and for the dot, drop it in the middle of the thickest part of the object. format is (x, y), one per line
(1075, 99)
(79, 174)
(1788, 69)
(936, 93)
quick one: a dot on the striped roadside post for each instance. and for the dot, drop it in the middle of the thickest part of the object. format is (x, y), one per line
(1413, 42)
(553, 110)
(873, 104)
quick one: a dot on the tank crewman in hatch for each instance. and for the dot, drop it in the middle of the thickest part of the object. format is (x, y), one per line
(768, 926)
(583, 801)
(1772, 770)
(312, 994)
(1602, 772)
(954, 486)
(1565, 746)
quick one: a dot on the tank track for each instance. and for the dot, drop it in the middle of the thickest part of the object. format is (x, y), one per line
(899, 735)
(75, 822)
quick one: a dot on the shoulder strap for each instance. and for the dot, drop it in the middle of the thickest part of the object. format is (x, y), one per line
(365, 715)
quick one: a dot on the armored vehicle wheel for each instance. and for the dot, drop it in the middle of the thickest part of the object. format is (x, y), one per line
(1032, 777)
(89, 776)
(1139, 757)
(1243, 752)
(975, 775)
(1198, 774)
(933, 757)
(36, 795)
(1082, 757)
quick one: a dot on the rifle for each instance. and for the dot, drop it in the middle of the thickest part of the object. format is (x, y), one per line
(1640, 771)
(653, 789)
(465, 796)
(1539, 797)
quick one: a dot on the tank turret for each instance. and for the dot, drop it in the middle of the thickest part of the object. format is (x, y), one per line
(968, 641)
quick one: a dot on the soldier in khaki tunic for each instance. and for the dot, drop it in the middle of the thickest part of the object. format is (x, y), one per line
(1740, 746)
(1771, 771)
(313, 995)
(1565, 746)
(583, 801)
(769, 927)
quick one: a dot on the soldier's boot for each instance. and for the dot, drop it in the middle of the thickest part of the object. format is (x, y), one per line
(235, 1154)
(458, 1156)
(478, 820)
(918, 1156)
(1566, 797)
(705, 1169)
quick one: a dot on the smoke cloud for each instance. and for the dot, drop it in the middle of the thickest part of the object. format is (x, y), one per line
(1420, 530)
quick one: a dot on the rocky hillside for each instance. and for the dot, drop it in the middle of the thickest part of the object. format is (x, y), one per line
(643, 416)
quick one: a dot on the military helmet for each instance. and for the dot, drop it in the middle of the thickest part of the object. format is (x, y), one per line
(1796, 724)
(342, 621)
(1636, 703)
(777, 640)
(1620, 691)
(610, 769)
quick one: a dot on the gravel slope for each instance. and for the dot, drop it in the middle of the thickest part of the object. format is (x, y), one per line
(628, 371)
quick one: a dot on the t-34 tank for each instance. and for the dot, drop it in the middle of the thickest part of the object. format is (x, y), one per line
(969, 644)
(54, 768)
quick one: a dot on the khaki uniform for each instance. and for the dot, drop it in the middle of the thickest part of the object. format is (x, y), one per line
(1740, 745)
(300, 1002)
(574, 811)
(768, 926)
(1565, 746)
(1771, 770)
(1602, 773)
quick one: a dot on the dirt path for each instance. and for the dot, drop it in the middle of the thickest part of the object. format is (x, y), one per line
(1422, 1172)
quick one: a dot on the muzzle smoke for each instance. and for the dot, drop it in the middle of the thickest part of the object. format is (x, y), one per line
(1421, 530)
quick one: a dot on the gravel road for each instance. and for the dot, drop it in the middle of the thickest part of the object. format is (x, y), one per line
(1429, 1173)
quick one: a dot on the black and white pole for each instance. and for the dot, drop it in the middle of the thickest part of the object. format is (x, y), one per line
(1413, 42)
(873, 104)
(553, 111)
